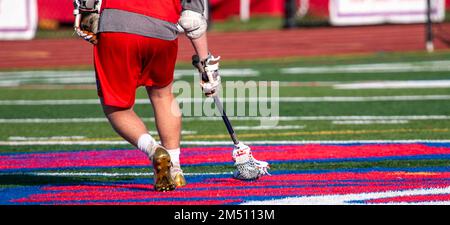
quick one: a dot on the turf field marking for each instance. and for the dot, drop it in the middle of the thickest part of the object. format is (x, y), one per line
(118, 141)
(187, 119)
(82, 138)
(268, 127)
(209, 143)
(206, 143)
(368, 122)
(201, 100)
(21, 138)
(349, 198)
(244, 72)
(241, 72)
(212, 143)
(102, 174)
(394, 84)
(427, 66)
(61, 120)
(8, 79)
(317, 133)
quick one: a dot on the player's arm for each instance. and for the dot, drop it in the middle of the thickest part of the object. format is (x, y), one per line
(194, 24)
(86, 14)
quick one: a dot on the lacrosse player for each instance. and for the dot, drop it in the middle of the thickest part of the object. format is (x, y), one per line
(135, 44)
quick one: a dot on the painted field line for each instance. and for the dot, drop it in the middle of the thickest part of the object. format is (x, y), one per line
(229, 143)
(238, 72)
(415, 203)
(316, 133)
(349, 198)
(188, 119)
(52, 138)
(73, 138)
(117, 140)
(102, 174)
(427, 66)
(394, 84)
(262, 99)
(289, 127)
(88, 77)
(368, 122)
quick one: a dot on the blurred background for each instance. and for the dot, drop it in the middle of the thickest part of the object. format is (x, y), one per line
(54, 14)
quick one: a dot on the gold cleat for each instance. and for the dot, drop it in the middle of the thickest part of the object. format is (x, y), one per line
(179, 180)
(161, 167)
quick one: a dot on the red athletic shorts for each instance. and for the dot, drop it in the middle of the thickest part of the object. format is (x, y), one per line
(123, 62)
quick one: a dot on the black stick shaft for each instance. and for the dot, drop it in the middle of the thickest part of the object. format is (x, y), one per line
(225, 120)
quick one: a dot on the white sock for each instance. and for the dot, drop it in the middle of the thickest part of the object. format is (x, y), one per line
(146, 143)
(175, 156)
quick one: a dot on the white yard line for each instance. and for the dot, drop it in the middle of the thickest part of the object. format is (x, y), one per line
(394, 84)
(88, 77)
(53, 138)
(427, 66)
(101, 174)
(268, 127)
(61, 120)
(348, 198)
(75, 138)
(189, 119)
(237, 72)
(262, 99)
(368, 122)
(226, 143)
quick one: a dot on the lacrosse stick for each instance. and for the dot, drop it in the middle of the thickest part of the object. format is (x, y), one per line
(248, 168)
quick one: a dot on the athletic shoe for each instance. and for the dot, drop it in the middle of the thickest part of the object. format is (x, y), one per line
(161, 167)
(177, 176)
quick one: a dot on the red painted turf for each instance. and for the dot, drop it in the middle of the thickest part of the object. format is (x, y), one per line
(224, 190)
(214, 155)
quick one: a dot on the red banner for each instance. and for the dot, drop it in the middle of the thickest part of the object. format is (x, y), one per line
(221, 9)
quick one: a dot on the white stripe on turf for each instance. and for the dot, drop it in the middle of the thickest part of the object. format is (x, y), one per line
(74, 138)
(394, 84)
(102, 174)
(368, 122)
(217, 143)
(427, 66)
(262, 99)
(53, 138)
(268, 127)
(88, 77)
(348, 198)
(189, 119)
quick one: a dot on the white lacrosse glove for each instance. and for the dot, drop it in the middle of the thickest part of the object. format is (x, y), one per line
(194, 24)
(87, 16)
(247, 167)
(209, 74)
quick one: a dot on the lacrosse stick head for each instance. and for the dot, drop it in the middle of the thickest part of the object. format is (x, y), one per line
(247, 167)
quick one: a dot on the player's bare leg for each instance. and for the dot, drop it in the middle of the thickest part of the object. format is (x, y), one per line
(126, 123)
(130, 127)
(168, 124)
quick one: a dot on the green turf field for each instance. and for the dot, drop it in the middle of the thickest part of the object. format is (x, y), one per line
(311, 105)
(36, 112)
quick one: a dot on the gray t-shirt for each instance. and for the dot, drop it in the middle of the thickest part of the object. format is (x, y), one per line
(115, 20)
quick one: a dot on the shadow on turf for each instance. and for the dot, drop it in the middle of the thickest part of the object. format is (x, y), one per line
(31, 180)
